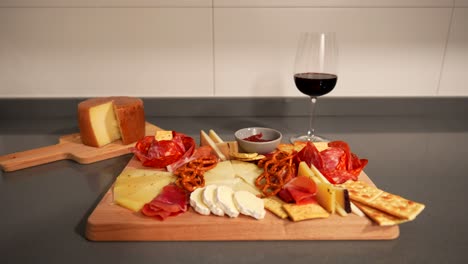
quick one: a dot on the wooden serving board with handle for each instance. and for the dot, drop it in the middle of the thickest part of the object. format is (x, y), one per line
(110, 222)
(69, 147)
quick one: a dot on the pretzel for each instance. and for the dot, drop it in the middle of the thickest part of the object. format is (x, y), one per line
(278, 169)
(190, 175)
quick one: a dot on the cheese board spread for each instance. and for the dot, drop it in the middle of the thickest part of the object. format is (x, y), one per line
(300, 191)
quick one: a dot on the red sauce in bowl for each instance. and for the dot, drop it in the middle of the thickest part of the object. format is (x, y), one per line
(256, 138)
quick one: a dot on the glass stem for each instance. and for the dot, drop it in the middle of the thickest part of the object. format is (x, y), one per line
(311, 132)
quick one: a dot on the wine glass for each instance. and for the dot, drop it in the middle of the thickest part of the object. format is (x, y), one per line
(315, 73)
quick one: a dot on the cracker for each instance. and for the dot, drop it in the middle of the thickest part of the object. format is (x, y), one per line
(397, 206)
(275, 205)
(361, 191)
(238, 155)
(381, 218)
(383, 201)
(299, 145)
(259, 157)
(304, 212)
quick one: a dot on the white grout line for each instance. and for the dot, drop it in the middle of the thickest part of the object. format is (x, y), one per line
(213, 46)
(442, 66)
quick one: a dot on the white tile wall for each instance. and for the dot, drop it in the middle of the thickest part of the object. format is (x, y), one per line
(171, 48)
(334, 3)
(66, 52)
(383, 51)
(454, 80)
(105, 3)
(461, 3)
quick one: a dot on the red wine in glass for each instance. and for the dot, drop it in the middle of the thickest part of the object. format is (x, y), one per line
(315, 73)
(315, 84)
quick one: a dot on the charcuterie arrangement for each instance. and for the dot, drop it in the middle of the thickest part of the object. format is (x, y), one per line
(299, 181)
(206, 185)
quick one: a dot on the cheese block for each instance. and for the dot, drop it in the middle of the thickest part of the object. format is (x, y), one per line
(104, 120)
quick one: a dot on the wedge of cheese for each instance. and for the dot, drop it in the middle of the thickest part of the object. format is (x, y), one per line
(134, 188)
(205, 140)
(222, 174)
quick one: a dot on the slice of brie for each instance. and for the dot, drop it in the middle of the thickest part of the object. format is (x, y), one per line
(196, 201)
(223, 197)
(249, 204)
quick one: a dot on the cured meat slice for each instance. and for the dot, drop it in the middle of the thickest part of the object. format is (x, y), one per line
(333, 158)
(161, 153)
(300, 190)
(310, 155)
(345, 147)
(170, 202)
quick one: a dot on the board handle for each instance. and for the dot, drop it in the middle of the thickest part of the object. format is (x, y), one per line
(29, 158)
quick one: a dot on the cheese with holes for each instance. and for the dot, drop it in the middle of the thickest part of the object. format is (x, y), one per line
(104, 120)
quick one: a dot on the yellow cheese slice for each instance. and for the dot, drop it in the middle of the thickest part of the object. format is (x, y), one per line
(249, 172)
(305, 170)
(222, 174)
(163, 135)
(134, 188)
(326, 196)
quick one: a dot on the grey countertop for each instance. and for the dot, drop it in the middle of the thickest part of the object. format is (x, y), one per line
(423, 157)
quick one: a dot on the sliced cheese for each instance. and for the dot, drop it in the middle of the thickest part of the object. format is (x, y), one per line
(224, 199)
(318, 174)
(205, 140)
(326, 196)
(342, 199)
(305, 170)
(134, 188)
(163, 135)
(216, 139)
(249, 204)
(208, 198)
(242, 185)
(249, 172)
(196, 201)
(222, 174)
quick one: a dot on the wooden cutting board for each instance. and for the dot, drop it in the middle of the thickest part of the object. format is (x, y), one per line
(110, 222)
(69, 147)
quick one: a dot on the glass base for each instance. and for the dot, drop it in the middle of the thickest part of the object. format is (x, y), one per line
(305, 138)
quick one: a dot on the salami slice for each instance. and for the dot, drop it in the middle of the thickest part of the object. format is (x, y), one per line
(310, 155)
(161, 153)
(333, 159)
(345, 147)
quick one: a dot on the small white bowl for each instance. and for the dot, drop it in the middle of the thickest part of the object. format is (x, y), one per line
(273, 136)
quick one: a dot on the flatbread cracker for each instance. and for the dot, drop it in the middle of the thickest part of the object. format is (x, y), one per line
(361, 191)
(384, 201)
(381, 218)
(275, 205)
(397, 206)
(304, 212)
(238, 155)
(298, 145)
